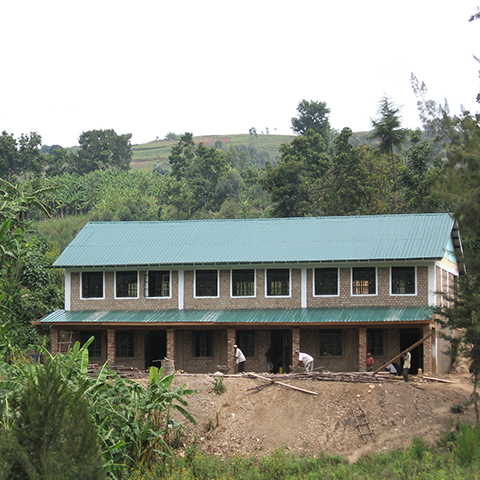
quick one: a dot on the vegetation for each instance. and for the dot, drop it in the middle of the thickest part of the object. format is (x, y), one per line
(455, 457)
(56, 421)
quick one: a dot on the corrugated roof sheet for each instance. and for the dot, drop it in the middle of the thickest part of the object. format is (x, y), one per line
(261, 316)
(267, 240)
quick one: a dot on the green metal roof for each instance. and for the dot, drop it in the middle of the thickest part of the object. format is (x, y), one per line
(254, 317)
(267, 240)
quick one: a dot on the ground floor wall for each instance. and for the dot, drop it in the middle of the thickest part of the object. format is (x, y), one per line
(209, 349)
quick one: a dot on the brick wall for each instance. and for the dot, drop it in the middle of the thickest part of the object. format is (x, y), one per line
(225, 301)
(383, 297)
(110, 303)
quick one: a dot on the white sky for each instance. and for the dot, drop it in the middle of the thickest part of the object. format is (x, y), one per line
(212, 67)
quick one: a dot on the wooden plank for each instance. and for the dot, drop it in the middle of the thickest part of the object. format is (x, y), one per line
(405, 351)
(283, 384)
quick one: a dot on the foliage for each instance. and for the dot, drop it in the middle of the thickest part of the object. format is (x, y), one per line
(294, 182)
(459, 186)
(53, 435)
(313, 116)
(28, 289)
(388, 130)
(455, 458)
(218, 385)
(103, 149)
(133, 424)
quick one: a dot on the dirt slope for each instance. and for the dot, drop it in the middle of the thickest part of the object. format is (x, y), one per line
(242, 421)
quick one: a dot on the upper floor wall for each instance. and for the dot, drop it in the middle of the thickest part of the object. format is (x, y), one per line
(240, 288)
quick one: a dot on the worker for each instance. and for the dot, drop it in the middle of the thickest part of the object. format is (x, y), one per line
(393, 368)
(306, 359)
(239, 359)
(407, 359)
(370, 362)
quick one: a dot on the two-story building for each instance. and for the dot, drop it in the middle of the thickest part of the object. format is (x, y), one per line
(334, 287)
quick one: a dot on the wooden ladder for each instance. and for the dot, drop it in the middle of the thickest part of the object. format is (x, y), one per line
(65, 341)
(363, 425)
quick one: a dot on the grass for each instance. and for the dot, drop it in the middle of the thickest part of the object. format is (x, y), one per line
(455, 457)
(147, 155)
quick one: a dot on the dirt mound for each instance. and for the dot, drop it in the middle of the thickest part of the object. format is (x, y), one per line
(245, 420)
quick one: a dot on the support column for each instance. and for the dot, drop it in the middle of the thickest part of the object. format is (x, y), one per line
(427, 351)
(362, 349)
(111, 346)
(54, 341)
(295, 341)
(231, 340)
(171, 343)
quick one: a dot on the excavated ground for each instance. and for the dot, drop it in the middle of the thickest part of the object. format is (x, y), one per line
(245, 420)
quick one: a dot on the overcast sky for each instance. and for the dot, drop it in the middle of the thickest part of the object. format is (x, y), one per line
(212, 67)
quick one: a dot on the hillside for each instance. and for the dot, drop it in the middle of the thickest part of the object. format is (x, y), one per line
(148, 155)
(246, 420)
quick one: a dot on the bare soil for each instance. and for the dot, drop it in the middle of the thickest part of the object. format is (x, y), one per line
(242, 421)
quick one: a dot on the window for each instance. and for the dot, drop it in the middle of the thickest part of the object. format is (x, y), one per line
(95, 348)
(246, 343)
(326, 281)
(203, 344)
(331, 343)
(125, 344)
(403, 280)
(126, 285)
(92, 284)
(206, 283)
(278, 282)
(375, 341)
(243, 283)
(364, 281)
(158, 284)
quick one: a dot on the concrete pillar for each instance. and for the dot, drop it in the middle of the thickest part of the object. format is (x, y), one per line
(54, 341)
(427, 352)
(295, 341)
(171, 343)
(362, 349)
(231, 341)
(111, 346)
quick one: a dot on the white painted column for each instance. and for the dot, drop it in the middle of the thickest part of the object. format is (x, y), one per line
(68, 287)
(303, 293)
(181, 289)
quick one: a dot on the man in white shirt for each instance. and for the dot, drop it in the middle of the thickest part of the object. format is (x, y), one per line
(407, 359)
(239, 359)
(306, 359)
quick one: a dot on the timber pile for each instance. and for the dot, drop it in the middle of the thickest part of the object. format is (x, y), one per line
(357, 377)
(120, 370)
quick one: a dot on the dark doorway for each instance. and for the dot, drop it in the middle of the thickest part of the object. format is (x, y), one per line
(155, 348)
(280, 352)
(409, 336)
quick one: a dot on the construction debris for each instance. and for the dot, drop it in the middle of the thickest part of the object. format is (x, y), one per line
(272, 381)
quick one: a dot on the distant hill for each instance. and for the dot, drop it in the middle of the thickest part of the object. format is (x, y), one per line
(148, 155)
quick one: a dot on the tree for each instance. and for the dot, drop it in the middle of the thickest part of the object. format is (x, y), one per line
(31, 159)
(387, 129)
(9, 162)
(347, 187)
(313, 116)
(54, 435)
(419, 176)
(293, 183)
(103, 149)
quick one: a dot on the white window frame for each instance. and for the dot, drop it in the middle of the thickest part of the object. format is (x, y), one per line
(169, 285)
(81, 286)
(115, 286)
(289, 283)
(338, 283)
(364, 294)
(254, 283)
(403, 294)
(195, 283)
